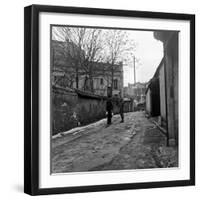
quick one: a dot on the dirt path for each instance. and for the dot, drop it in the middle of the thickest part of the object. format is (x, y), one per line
(137, 143)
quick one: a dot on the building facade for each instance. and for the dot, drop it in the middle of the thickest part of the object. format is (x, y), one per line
(155, 94)
(166, 79)
(98, 78)
(136, 91)
(103, 79)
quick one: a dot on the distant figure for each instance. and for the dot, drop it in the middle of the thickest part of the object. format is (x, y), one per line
(121, 108)
(109, 108)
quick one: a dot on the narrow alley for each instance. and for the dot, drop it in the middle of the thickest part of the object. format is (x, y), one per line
(135, 144)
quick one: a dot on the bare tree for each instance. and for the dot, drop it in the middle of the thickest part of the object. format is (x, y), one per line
(117, 49)
(83, 47)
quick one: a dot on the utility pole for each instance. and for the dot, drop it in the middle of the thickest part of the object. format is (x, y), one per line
(134, 69)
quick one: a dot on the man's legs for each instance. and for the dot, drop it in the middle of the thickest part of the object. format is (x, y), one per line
(109, 117)
(122, 116)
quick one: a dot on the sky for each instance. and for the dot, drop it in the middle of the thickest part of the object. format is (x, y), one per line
(149, 51)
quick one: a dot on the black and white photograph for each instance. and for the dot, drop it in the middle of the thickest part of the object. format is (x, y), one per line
(98, 100)
(109, 100)
(114, 99)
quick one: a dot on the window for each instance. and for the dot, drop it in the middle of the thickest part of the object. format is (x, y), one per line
(115, 84)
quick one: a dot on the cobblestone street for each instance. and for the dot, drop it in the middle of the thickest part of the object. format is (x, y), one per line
(135, 144)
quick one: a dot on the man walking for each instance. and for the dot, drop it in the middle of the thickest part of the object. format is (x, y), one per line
(121, 108)
(109, 108)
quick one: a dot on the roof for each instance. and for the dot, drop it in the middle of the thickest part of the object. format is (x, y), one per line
(156, 72)
(155, 75)
(90, 95)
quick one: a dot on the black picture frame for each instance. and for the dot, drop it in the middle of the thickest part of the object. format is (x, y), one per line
(31, 98)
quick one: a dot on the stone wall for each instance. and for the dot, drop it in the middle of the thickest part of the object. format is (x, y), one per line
(63, 107)
(72, 108)
(171, 62)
